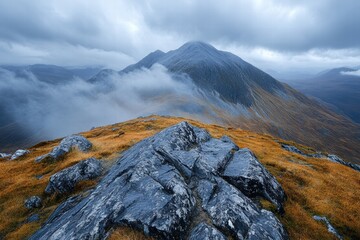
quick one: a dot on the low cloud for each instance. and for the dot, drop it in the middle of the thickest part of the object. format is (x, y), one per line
(79, 105)
(352, 73)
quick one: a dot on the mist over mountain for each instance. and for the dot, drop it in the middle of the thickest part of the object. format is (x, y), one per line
(36, 108)
(236, 93)
(195, 80)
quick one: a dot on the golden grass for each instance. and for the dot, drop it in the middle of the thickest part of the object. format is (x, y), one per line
(313, 186)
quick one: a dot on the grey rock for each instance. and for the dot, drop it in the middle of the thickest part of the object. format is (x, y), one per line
(337, 159)
(330, 228)
(246, 173)
(231, 210)
(33, 202)
(19, 153)
(5, 155)
(64, 207)
(65, 146)
(292, 149)
(157, 185)
(266, 227)
(65, 180)
(205, 232)
(33, 218)
(331, 157)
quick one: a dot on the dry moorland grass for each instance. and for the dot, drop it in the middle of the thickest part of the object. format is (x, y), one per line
(313, 186)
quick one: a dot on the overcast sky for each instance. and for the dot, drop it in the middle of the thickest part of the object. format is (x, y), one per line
(282, 35)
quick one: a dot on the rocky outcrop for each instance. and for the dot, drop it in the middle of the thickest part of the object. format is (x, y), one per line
(330, 157)
(293, 149)
(19, 153)
(5, 155)
(246, 173)
(161, 184)
(65, 180)
(330, 228)
(33, 202)
(65, 146)
(337, 159)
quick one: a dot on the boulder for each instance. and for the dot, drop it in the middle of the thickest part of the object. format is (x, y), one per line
(33, 202)
(246, 173)
(205, 232)
(65, 180)
(158, 186)
(19, 153)
(5, 155)
(65, 146)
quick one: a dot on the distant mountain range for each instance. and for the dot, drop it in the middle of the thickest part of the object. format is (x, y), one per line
(222, 88)
(339, 87)
(52, 73)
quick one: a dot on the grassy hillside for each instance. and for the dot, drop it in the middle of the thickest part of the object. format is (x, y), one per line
(313, 186)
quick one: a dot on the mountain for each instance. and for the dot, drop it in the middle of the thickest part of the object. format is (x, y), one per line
(196, 81)
(134, 168)
(339, 87)
(214, 71)
(230, 91)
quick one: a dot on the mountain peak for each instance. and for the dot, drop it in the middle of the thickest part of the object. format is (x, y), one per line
(197, 45)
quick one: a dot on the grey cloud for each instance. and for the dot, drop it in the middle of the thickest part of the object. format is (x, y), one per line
(281, 25)
(79, 105)
(116, 33)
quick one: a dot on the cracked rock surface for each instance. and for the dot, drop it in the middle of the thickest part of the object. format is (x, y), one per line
(65, 180)
(179, 184)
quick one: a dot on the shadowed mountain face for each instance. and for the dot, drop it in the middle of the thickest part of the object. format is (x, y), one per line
(339, 87)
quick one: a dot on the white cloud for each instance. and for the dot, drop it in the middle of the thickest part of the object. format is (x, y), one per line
(352, 73)
(79, 105)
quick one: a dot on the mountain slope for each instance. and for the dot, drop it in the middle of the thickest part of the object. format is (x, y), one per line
(213, 71)
(232, 91)
(339, 87)
(308, 182)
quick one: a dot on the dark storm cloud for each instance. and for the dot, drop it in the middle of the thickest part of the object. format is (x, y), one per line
(281, 25)
(117, 33)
